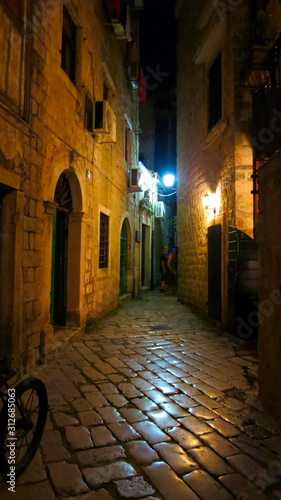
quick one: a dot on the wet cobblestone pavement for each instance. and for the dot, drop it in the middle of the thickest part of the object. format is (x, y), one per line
(153, 403)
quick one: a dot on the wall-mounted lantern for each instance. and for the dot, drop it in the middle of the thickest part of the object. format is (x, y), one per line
(211, 202)
(206, 201)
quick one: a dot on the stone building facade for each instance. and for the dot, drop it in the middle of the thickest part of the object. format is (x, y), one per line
(214, 165)
(229, 144)
(267, 146)
(68, 141)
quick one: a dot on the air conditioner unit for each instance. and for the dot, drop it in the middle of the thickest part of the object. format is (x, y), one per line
(105, 122)
(134, 180)
(118, 29)
(160, 210)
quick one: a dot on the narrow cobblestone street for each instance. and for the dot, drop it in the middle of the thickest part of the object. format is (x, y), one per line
(153, 403)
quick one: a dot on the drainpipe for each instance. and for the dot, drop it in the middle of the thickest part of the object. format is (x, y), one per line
(152, 259)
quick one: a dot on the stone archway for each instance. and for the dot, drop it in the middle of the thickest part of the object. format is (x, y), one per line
(66, 251)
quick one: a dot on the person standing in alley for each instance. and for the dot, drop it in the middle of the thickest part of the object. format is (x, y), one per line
(163, 267)
(172, 267)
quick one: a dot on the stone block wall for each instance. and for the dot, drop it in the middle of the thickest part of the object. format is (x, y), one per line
(209, 161)
(44, 136)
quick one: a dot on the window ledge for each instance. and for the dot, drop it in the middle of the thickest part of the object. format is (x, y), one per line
(217, 130)
(103, 273)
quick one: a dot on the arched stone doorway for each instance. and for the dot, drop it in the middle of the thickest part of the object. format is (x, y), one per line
(66, 250)
(125, 247)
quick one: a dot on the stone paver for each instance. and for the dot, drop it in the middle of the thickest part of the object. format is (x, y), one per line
(153, 390)
(151, 432)
(52, 447)
(67, 478)
(97, 457)
(162, 419)
(185, 438)
(225, 428)
(219, 444)
(102, 436)
(242, 488)
(195, 425)
(101, 494)
(141, 452)
(134, 488)
(123, 431)
(78, 437)
(212, 462)
(206, 487)
(101, 475)
(110, 414)
(35, 473)
(176, 457)
(144, 404)
(133, 415)
(63, 419)
(168, 483)
(89, 418)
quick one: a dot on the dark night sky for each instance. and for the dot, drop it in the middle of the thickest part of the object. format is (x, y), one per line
(158, 59)
(158, 42)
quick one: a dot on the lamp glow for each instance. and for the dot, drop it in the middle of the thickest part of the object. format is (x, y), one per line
(169, 180)
(206, 200)
(211, 201)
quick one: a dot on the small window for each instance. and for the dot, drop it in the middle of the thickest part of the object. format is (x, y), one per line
(215, 93)
(68, 51)
(128, 145)
(103, 254)
(88, 121)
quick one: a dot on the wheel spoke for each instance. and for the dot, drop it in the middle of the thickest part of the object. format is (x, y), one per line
(36, 410)
(19, 448)
(22, 403)
(30, 417)
(31, 404)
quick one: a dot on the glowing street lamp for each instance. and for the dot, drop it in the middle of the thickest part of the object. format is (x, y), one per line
(169, 180)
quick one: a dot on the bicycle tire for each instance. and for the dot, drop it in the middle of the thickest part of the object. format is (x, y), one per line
(37, 388)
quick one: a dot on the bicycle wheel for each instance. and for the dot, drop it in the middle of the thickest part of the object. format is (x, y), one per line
(31, 407)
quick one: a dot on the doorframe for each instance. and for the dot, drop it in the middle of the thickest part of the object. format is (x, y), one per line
(74, 261)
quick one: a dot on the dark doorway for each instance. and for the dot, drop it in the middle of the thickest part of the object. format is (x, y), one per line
(145, 255)
(7, 267)
(59, 252)
(143, 245)
(214, 272)
(123, 259)
(60, 244)
(242, 285)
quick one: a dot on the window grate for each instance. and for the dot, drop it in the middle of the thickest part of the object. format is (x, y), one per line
(103, 253)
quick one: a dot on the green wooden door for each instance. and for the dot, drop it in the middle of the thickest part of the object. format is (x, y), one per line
(123, 259)
(214, 271)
